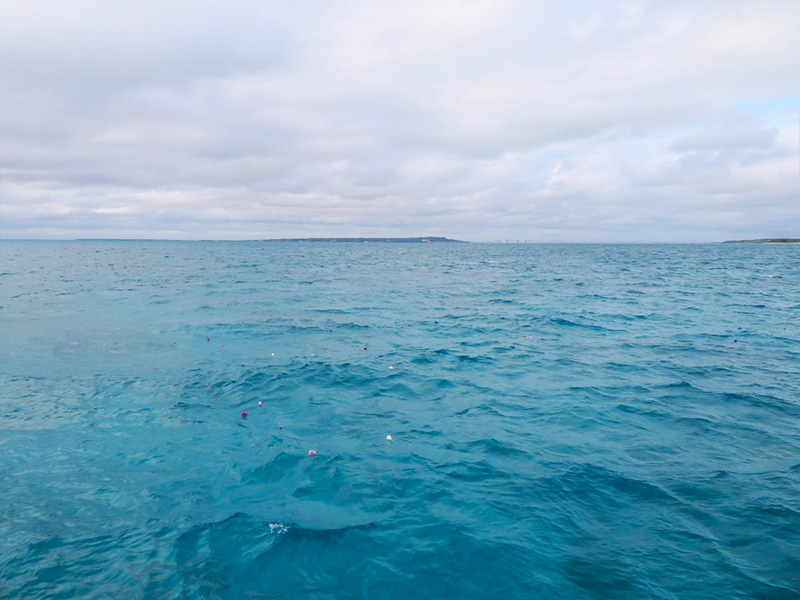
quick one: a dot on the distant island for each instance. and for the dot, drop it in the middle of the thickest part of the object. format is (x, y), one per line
(765, 241)
(409, 240)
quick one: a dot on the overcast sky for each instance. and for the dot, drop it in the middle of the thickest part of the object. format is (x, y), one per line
(542, 121)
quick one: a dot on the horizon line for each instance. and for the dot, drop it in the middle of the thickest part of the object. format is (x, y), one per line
(378, 240)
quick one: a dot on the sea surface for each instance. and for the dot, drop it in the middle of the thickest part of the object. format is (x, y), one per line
(566, 421)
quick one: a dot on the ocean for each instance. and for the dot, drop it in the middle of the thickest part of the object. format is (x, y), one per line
(487, 420)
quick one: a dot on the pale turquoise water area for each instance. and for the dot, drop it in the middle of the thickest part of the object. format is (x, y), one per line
(567, 421)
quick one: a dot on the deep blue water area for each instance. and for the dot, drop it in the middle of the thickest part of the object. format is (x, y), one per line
(566, 421)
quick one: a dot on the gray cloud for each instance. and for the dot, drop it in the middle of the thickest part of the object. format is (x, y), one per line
(484, 120)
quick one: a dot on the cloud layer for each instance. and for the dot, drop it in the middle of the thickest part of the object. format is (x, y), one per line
(550, 121)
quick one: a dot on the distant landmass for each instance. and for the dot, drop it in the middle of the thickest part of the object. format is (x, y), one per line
(765, 241)
(408, 240)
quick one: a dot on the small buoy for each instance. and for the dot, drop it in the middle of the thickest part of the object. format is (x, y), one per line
(388, 438)
(208, 339)
(273, 354)
(391, 367)
(259, 402)
(313, 355)
(280, 426)
(365, 347)
(312, 452)
(244, 414)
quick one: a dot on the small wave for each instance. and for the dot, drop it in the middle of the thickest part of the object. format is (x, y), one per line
(494, 447)
(562, 322)
(472, 471)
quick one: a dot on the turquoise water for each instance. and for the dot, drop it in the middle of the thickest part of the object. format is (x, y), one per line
(567, 421)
